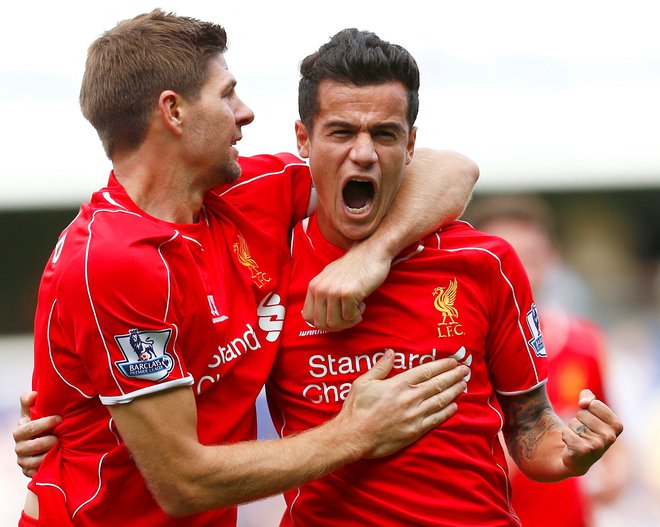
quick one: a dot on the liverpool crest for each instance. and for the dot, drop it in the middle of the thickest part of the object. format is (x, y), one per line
(243, 254)
(445, 297)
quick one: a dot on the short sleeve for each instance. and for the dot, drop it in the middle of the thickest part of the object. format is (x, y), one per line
(118, 309)
(515, 350)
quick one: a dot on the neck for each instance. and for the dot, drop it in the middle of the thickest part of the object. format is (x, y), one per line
(331, 234)
(160, 190)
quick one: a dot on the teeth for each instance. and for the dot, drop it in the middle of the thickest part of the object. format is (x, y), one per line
(357, 211)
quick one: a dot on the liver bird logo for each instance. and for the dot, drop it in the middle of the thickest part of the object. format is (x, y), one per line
(245, 258)
(444, 301)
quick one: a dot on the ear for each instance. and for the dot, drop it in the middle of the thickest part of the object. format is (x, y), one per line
(410, 148)
(170, 110)
(302, 139)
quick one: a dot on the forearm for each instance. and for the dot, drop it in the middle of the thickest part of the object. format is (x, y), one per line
(534, 435)
(232, 474)
(538, 447)
(435, 190)
(547, 449)
(186, 477)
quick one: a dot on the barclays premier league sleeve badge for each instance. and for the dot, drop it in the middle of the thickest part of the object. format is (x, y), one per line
(534, 325)
(145, 354)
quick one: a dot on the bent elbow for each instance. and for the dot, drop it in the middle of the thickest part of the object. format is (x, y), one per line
(183, 498)
(178, 498)
(174, 504)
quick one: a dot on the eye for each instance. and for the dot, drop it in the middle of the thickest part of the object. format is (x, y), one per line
(386, 136)
(341, 133)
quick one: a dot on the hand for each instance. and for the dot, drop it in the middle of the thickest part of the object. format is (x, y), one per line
(589, 434)
(335, 298)
(31, 444)
(392, 413)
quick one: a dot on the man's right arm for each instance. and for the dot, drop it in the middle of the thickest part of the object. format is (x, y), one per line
(379, 417)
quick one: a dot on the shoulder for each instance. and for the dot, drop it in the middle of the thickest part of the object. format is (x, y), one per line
(258, 171)
(460, 235)
(267, 163)
(122, 245)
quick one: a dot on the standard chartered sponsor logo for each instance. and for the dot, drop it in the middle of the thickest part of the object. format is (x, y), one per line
(323, 367)
(235, 348)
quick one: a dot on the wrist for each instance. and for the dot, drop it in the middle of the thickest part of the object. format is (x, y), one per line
(384, 246)
(346, 431)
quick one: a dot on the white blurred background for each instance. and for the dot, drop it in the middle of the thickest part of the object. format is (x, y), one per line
(555, 98)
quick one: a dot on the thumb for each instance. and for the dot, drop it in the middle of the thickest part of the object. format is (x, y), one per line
(27, 401)
(586, 396)
(382, 368)
(308, 308)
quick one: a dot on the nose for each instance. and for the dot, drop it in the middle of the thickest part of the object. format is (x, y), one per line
(244, 115)
(363, 152)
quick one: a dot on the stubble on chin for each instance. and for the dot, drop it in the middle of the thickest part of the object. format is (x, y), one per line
(227, 174)
(233, 171)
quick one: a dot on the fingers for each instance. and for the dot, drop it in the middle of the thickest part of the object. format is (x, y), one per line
(435, 419)
(308, 307)
(335, 298)
(33, 429)
(380, 370)
(429, 370)
(436, 395)
(31, 444)
(596, 417)
(351, 310)
(30, 465)
(439, 406)
(331, 312)
(596, 422)
(589, 434)
(31, 454)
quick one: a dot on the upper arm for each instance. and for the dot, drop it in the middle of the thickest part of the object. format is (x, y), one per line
(160, 432)
(453, 175)
(273, 186)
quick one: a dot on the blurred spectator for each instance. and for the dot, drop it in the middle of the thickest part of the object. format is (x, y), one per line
(576, 359)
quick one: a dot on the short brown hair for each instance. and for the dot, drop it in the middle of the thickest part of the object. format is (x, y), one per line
(361, 58)
(129, 66)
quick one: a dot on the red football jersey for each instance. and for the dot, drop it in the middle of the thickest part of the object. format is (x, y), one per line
(131, 305)
(576, 350)
(459, 293)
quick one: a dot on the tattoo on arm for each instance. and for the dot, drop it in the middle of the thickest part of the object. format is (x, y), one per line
(528, 417)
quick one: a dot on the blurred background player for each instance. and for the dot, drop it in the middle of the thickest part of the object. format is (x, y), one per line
(576, 349)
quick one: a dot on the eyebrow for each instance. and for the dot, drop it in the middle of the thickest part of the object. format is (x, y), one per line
(387, 125)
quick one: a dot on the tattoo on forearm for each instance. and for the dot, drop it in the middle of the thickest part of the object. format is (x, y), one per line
(528, 419)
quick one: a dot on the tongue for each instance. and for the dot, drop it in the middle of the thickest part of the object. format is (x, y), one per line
(357, 194)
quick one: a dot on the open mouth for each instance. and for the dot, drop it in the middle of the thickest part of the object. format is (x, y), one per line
(358, 195)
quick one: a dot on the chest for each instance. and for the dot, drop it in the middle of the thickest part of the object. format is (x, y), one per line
(427, 309)
(229, 304)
